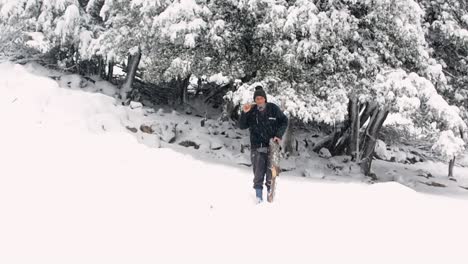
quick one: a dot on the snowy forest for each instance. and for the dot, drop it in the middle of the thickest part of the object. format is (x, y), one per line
(361, 72)
(123, 131)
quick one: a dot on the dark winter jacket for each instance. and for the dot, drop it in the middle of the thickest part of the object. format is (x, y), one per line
(264, 125)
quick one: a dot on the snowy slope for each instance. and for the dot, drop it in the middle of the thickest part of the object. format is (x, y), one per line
(77, 187)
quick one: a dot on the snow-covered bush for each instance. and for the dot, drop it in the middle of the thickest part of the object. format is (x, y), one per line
(448, 146)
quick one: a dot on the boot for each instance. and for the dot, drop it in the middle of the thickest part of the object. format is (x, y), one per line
(259, 195)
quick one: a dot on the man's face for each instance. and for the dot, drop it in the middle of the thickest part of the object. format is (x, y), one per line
(260, 100)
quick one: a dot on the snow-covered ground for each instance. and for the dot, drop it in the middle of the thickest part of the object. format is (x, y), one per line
(77, 186)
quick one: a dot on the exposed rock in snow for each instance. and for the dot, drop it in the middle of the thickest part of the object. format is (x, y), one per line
(399, 156)
(381, 151)
(395, 154)
(424, 173)
(335, 164)
(166, 131)
(188, 143)
(146, 129)
(74, 81)
(132, 129)
(160, 112)
(135, 105)
(324, 153)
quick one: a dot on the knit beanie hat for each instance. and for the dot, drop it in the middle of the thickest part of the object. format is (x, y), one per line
(259, 92)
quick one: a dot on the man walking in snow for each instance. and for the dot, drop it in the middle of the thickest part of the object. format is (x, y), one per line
(265, 121)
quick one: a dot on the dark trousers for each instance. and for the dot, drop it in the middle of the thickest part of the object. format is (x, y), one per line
(260, 169)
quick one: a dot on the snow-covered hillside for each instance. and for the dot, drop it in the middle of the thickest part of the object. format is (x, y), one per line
(77, 186)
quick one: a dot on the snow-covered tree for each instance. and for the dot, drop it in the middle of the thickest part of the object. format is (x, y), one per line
(449, 147)
(61, 22)
(347, 62)
(336, 61)
(162, 33)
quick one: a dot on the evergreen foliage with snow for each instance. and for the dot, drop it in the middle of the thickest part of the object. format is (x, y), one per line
(313, 57)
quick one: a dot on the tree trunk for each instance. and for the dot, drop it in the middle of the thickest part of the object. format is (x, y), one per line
(133, 61)
(179, 92)
(370, 108)
(370, 139)
(357, 157)
(184, 83)
(229, 111)
(451, 165)
(215, 94)
(452, 161)
(110, 71)
(184, 98)
(342, 140)
(101, 67)
(361, 148)
(289, 138)
(353, 113)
